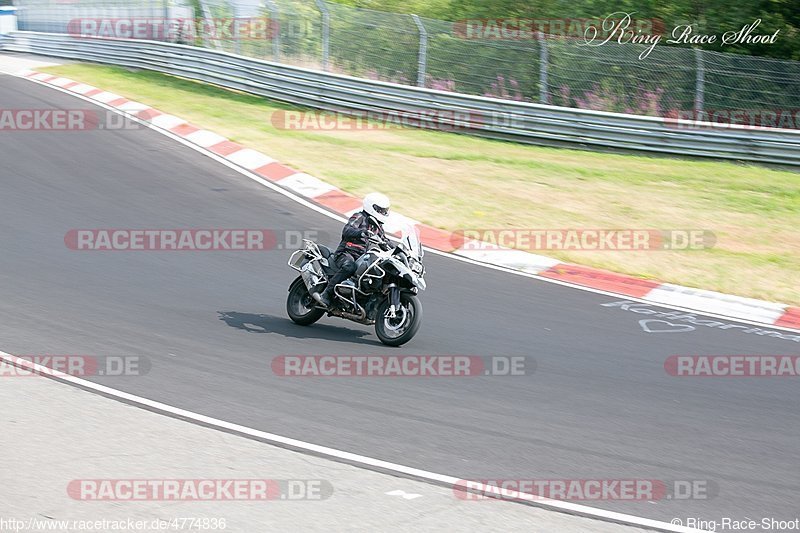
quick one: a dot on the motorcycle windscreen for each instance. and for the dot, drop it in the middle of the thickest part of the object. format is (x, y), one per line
(409, 236)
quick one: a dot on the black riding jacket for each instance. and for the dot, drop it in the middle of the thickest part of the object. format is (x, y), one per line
(353, 239)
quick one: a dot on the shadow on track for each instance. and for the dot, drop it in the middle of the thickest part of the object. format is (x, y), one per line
(256, 323)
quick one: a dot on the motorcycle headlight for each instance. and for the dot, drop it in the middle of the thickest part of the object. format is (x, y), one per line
(417, 268)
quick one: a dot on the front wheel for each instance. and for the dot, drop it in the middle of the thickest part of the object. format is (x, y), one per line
(300, 305)
(400, 329)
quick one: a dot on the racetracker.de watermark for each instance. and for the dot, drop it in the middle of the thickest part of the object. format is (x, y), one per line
(175, 29)
(519, 29)
(40, 523)
(727, 119)
(30, 119)
(589, 239)
(452, 120)
(732, 366)
(206, 240)
(397, 366)
(635, 490)
(197, 490)
(77, 365)
(374, 120)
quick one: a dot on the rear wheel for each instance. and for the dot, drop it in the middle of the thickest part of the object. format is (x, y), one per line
(300, 306)
(405, 324)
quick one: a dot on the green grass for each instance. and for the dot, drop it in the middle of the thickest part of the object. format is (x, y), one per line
(458, 182)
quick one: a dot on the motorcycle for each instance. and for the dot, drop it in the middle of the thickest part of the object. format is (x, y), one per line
(382, 291)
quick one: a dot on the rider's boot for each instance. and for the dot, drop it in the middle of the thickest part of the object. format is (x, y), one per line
(324, 298)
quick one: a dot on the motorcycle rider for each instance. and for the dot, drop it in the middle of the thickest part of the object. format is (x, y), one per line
(355, 234)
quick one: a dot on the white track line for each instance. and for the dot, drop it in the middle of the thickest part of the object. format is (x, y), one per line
(339, 455)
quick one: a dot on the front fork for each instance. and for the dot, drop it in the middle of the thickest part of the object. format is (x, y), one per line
(312, 275)
(394, 300)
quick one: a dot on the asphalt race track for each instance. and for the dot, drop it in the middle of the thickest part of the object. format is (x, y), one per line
(599, 406)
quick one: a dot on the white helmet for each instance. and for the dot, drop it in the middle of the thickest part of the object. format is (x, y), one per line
(377, 206)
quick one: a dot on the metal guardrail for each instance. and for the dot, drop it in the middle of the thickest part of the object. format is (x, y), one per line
(499, 119)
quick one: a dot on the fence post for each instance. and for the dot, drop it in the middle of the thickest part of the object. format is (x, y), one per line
(19, 14)
(237, 36)
(165, 10)
(274, 29)
(700, 82)
(326, 32)
(422, 56)
(207, 21)
(544, 58)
